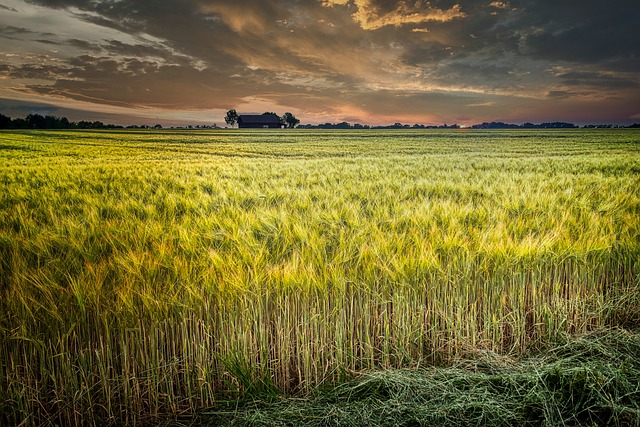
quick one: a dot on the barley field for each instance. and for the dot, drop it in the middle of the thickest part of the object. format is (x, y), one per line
(150, 274)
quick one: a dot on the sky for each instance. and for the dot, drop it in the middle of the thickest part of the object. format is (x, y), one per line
(372, 62)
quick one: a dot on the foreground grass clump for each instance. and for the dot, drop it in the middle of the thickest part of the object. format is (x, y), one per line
(150, 274)
(590, 380)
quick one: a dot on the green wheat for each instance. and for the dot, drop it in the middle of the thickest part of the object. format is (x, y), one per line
(146, 274)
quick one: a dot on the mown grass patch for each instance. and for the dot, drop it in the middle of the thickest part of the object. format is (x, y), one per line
(591, 380)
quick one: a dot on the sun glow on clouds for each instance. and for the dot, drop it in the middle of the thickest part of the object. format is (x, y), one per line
(247, 21)
(500, 5)
(370, 17)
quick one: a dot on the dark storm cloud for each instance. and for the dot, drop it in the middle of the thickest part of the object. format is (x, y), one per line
(335, 58)
(585, 31)
(45, 41)
(597, 80)
(35, 71)
(9, 31)
(82, 44)
(588, 32)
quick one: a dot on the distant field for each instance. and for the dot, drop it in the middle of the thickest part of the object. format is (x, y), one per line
(150, 274)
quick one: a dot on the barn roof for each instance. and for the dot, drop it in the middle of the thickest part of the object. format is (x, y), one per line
(259, 118)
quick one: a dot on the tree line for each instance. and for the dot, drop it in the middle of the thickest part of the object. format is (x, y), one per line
(37, 121)
(485, 125)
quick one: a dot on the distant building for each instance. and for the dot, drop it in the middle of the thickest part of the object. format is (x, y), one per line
(262, 121)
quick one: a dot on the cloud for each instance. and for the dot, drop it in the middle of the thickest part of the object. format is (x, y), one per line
(9, 31)
(483, 104)
(380, 60)
(500, 5)
(372, 14)
(598, 80)
(593, 32)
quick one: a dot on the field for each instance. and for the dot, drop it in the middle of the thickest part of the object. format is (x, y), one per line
(151, 274)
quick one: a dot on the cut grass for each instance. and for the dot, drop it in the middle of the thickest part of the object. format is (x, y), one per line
(592, 380)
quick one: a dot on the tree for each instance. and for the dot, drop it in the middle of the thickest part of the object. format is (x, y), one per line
(5, 122)
(52, 122)
(35, 121)
(290, 120)
(19, 124)
(271, 113)
(231, 118)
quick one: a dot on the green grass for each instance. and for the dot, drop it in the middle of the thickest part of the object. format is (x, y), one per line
(152, 274)
(589, 380)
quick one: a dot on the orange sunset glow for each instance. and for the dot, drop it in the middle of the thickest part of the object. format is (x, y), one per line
(361, 61)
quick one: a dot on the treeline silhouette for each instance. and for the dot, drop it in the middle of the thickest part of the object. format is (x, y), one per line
(347, 125)
(547, 125)
(500, 125)
(37, 121)
(485, 125)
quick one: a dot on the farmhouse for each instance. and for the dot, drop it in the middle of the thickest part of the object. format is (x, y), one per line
(262, 121)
